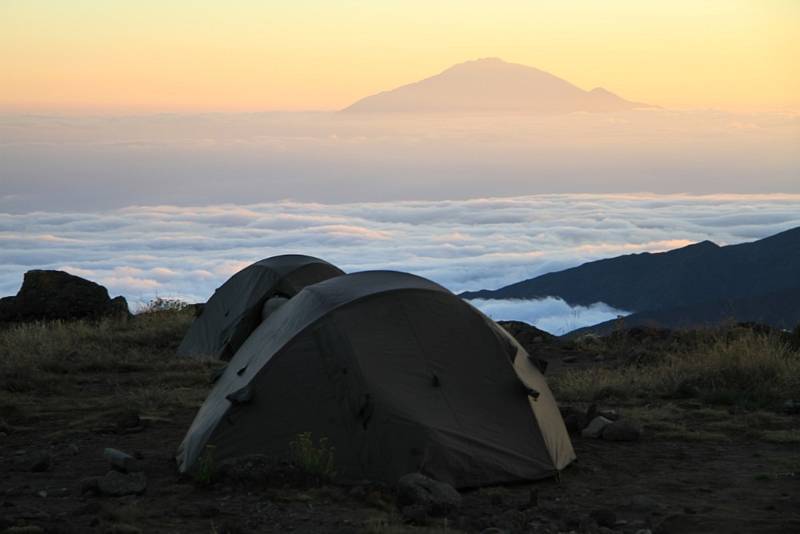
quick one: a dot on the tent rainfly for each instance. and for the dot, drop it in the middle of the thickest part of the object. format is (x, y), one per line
(399, 374)
(235, 308)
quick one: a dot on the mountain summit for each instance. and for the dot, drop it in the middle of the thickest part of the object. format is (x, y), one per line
(492, 85)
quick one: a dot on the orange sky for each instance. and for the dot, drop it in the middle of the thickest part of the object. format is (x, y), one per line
(248, 55)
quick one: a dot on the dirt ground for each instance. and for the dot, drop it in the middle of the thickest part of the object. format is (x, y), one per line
(657, 484)
(693, 471)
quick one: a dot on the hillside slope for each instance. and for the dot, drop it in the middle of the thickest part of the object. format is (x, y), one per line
(780, 310)
(699, 273)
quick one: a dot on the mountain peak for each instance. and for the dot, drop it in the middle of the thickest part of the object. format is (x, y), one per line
(492, 85)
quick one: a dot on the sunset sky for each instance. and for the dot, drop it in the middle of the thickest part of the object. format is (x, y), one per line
(98, 56)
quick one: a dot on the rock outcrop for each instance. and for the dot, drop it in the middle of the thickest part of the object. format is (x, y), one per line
(56, 295)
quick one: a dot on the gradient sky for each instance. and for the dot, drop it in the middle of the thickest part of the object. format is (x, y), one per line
(170, 55)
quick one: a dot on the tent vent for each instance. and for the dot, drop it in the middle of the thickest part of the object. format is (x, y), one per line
(241, 396)
(241, 371)
(532, 393)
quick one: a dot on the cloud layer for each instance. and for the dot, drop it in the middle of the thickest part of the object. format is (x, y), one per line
(550, 314)
(186, 252)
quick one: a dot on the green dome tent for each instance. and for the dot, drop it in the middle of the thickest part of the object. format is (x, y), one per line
(399, 375)
(235, 308)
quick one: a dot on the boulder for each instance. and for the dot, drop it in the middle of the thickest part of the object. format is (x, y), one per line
(56, 295)
(595, 428)
(117, 484)
(121, 461)
(437, 498)
(622, 430)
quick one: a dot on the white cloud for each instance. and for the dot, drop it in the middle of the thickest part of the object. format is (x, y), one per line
(186, 252)
(549, 314)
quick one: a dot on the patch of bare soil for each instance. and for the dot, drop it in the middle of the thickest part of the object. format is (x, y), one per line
(664, 486)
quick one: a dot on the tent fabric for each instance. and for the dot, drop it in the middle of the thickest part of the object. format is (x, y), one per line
(235, 309)
(399, 374)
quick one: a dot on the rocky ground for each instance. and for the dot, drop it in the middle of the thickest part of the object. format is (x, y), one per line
(697, 467)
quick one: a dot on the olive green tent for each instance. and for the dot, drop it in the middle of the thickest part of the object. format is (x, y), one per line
(399, 375)
(236, 307)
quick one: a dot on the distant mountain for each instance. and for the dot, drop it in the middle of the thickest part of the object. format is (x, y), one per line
(709, 279)
(780, 310)
(492, 85)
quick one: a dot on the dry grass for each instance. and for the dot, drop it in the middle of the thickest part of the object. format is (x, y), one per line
(748, 370)
(106, 365)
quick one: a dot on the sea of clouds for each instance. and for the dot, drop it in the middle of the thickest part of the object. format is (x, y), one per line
(171, 205)
(187, 251)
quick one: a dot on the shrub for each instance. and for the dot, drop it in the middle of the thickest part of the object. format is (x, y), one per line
(205, 469)
(160, 304)
(314, 460)
(40, 357)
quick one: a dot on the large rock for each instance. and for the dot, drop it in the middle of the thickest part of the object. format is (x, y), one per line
(51, 295)
(436, 498)
(596, 427)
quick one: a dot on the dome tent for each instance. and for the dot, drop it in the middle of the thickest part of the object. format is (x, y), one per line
(399, 374)
(235, 308)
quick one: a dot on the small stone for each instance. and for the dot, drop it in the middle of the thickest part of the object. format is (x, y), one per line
(622, 430)
(42, 494)
(595, 428)
(438, 498)
(121, 461)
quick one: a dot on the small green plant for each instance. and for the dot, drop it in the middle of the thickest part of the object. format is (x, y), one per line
(315, 460)
(161, 304)
(205, 469)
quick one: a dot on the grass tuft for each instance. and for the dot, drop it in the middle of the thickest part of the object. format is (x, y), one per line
(749, 370)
